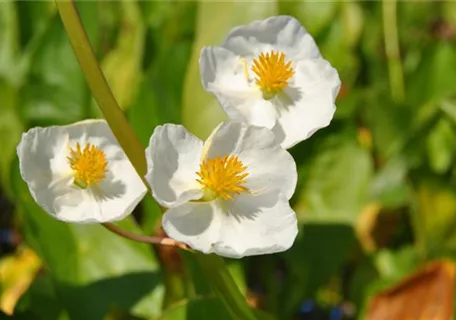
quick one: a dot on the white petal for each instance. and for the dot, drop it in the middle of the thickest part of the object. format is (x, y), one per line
(257, 113)
(121, 191)
(44, 166)
(268, 165)
(254, 225)
(280, 33)
(217, 61)
(226, 75)
(197, 224)
(308, 104)
(251, 225)
(173, 159)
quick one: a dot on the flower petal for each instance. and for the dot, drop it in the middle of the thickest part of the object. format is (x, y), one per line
(260, 224)
(173, 159)
(268, 165)
(121, 191)
(226, 75)
(280, 33)
(251, 225)
(44, 166)
(197, 224)
(309, 104)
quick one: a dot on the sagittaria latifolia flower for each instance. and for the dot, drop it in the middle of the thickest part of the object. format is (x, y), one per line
(79, 172)
(228, 195)
(270, 73)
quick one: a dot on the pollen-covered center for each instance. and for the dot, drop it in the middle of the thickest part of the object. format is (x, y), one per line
(223, 176)
(272, 72)
(89, 165)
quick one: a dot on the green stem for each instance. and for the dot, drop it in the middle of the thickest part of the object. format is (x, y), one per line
(214, 267)
(99, 86)
(395, 71)
(224, 286)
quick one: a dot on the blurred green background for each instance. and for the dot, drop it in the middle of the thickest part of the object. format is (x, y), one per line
(376, 197)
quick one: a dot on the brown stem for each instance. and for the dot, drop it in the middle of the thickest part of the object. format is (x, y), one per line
(145, 239)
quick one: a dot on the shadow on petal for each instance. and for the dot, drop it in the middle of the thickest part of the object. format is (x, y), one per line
(165, 168)
(285, 102)
(248, 207)
(287, 99)
(226, 140)
(191, 219)
(109, 189)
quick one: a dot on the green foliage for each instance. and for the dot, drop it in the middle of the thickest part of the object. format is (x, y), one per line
(396, 155)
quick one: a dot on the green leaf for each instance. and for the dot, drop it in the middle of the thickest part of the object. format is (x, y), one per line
(159, 98)
(315, 16)
(363, 275)
(449, 109)
(441, 147)
(433, 79)
(56, 92)
(93, 269)
(436, 214)
(40, 300)
(394, 265)
(10, 132)
(318, 253)
(160, 92)
(389, 123)
(353, 22)
(334, 181)
(9, 36)
(201, 309)
(449, 12)
(122, 65)
(33, 19)
(201, 111)
(389, 185)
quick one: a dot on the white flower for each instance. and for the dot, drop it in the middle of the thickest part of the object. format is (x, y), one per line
(79, 173)
(270, 73)
(228, 195)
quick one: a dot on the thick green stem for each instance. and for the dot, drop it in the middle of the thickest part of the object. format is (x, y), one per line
(99, 86)
(224, 286)
(213, 266)
(396, 76)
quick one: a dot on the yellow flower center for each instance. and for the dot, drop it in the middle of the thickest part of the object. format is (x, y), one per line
(272, 72)
(88, 164)
(223, 176)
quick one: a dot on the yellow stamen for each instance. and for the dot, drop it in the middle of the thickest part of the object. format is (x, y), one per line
(272, 72)
(223, 176)
(89, 165)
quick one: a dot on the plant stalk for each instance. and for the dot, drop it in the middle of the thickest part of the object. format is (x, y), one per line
(224, 286)
(145, 239)
(395, 70)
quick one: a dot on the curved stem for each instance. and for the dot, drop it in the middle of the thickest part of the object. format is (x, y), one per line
(145, 239)
(396, 76)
